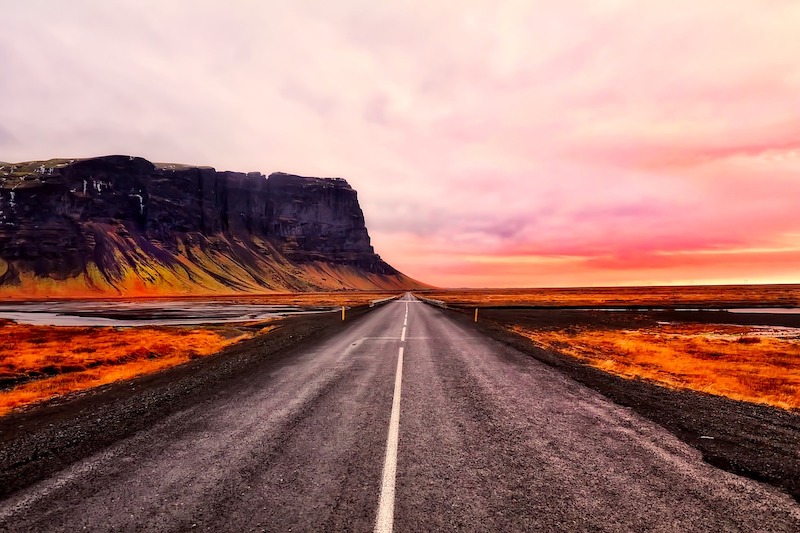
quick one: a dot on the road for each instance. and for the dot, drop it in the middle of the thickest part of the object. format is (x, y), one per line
(406, 420)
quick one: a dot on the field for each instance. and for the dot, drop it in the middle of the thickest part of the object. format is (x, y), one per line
(302, 299)
(646, 333)
(750, 363)
(40, 362)
(313, 299)
(708, 296)
(749, 356)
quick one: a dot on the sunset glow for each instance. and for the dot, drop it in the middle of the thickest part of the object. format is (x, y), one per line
(573, 143)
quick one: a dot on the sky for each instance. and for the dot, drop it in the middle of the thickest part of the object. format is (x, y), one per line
(492, 143)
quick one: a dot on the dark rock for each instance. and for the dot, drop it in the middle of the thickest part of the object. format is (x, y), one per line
(116, 222)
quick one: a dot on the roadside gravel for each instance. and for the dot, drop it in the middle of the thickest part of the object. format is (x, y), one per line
(756, 441)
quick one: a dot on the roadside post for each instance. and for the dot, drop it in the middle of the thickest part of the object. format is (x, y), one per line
(342, 313)
(476, 314)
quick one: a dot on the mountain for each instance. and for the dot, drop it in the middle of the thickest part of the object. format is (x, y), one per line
(123, 226)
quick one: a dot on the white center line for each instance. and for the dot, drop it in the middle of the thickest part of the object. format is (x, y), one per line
(385, 519)
(403, 335)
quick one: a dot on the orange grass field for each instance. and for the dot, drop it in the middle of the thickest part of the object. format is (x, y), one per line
(754, 364)
(303, 299)
(40, 362)
(715, 296)
(313, 299)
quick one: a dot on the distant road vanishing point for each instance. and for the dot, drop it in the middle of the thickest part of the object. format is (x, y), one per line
(404, 420)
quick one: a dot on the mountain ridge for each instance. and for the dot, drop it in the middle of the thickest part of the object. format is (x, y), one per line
(123, 226)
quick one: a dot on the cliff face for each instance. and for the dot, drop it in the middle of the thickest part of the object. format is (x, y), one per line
(121, 225)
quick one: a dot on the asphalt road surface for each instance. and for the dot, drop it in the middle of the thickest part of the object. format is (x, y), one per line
(405, 420)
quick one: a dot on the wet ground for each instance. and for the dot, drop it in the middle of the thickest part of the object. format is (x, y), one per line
(144, 313)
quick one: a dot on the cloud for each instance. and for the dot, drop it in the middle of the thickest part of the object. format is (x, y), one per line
(609, 134)
(7, 139)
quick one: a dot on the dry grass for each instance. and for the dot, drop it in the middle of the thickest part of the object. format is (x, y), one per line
(694, 296)
(40, 362)
(752, 364)
(315, 299)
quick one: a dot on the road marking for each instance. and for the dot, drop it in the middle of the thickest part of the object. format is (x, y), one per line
(403, 335)
(385, 519)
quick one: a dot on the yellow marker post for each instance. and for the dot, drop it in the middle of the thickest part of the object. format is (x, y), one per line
(476, 314)
(343, 313)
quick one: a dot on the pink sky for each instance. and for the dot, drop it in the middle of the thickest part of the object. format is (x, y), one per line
(530, 143)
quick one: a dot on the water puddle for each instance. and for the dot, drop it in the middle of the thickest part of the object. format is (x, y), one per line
(767, 310)
(747, 310)
(138, 313)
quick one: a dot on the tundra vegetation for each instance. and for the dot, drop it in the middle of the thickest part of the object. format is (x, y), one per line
(727, 354)
(750, 363)
(38, 363)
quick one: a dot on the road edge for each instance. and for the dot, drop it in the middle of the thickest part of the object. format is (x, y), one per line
(755, 441)
(41, 440)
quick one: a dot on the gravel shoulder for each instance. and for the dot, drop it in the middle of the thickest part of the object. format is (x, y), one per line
(756, 441)
(43, 439)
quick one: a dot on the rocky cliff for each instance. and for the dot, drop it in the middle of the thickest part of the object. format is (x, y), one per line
(121, 225)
